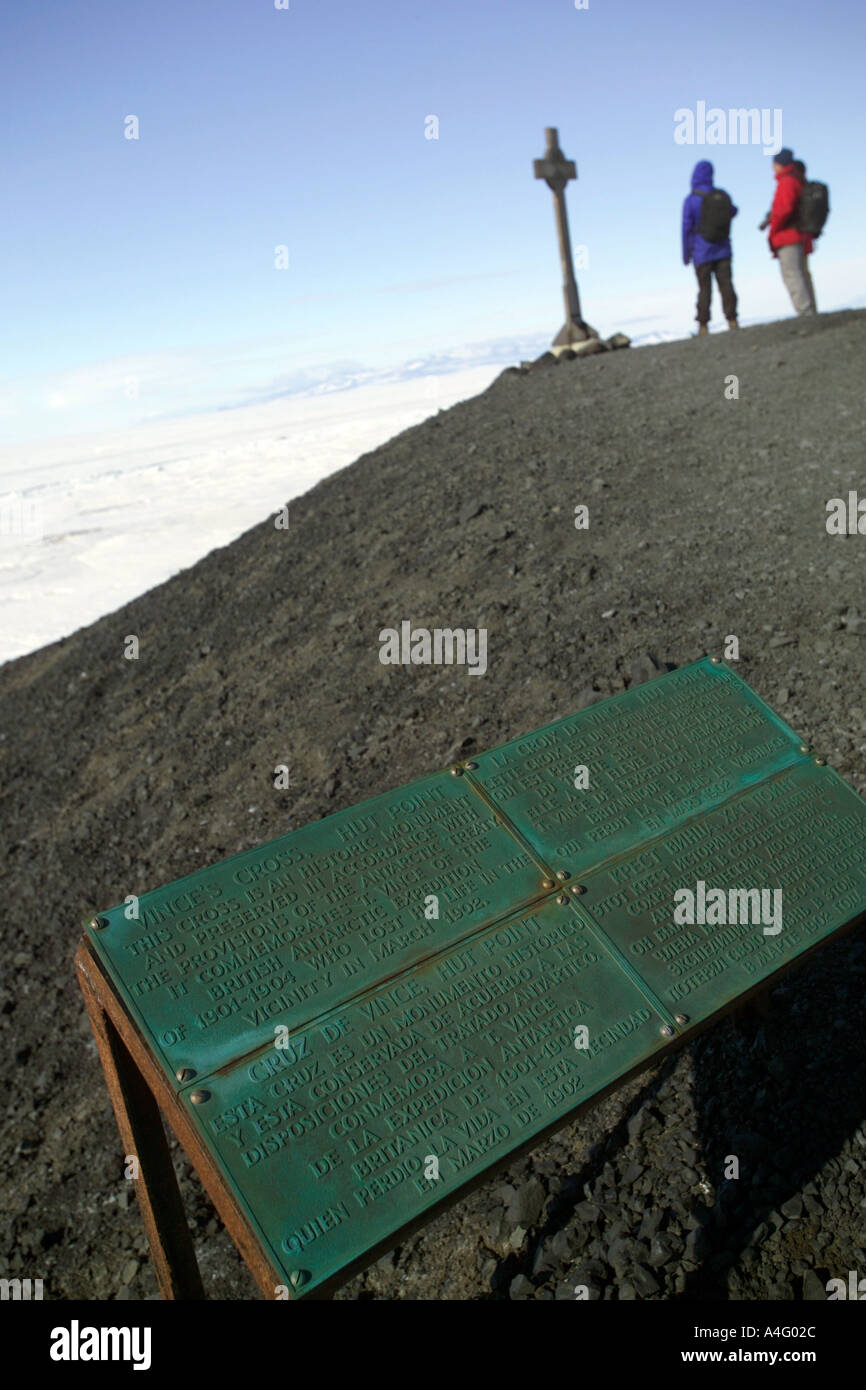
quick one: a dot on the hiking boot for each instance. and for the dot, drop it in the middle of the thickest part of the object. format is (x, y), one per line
(732, 323)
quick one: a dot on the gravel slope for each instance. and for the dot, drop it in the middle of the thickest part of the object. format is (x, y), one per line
(707, 517)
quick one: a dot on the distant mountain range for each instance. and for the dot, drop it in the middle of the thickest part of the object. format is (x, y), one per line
(344, 376)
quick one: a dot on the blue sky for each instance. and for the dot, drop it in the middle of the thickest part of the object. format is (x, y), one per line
(151, 261)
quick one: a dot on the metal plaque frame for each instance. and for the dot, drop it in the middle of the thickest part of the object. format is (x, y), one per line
(340, 1060)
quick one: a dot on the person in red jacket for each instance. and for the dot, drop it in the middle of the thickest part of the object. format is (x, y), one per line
(808, 242)
(787, 242)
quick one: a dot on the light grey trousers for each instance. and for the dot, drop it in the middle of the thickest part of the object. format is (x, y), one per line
(792, 263)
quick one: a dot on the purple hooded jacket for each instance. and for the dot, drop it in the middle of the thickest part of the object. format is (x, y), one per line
(694, 247)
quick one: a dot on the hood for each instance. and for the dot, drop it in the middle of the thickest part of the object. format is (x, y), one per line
(702, 175)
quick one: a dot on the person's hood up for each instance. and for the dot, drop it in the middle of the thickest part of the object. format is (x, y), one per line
(702, 175)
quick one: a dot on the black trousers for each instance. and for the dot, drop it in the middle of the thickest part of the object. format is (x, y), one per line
(726, 288)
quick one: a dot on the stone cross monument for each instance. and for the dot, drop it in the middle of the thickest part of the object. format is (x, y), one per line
(556, 171)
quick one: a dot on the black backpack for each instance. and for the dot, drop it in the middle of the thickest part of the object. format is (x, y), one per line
(813, 208)
(716, 213)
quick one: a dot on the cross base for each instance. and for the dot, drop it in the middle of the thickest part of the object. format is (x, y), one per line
(570, 335)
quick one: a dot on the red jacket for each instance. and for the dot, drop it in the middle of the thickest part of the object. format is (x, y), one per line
(783, 232)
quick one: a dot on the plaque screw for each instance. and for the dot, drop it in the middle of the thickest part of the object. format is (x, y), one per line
(457, 772)
(548, 883)
(471, 766)
(297, 1277)
(578, 888)
(562, 899)
(820, 762)
(681, 1018)
(98, 923)
(562, 873)
(199, 1097)
(185, 1074)
(804, 747)
(715, 660)
(666, 1031)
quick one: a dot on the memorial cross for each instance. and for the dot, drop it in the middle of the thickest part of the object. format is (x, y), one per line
(556, 171)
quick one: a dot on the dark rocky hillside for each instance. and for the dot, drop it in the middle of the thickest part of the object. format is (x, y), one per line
(707, 518)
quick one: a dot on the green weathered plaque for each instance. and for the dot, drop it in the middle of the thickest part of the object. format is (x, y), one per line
(366, 1014)
(654, 757)
(379, 1110)
(281, 933)
(760, 879)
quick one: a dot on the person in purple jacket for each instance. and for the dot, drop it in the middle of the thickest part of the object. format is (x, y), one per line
(709, 256)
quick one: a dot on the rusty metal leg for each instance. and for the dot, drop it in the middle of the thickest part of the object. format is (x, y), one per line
(142, 1133)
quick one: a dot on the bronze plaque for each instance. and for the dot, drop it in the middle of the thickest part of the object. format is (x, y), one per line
(215, 962)
(366, 1014)
(377, 1111)
(705, 913)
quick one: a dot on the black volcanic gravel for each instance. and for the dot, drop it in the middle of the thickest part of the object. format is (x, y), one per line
(707, 518)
